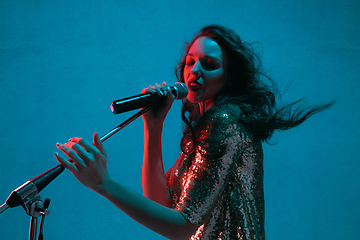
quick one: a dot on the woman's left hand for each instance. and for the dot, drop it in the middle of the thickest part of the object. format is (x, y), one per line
(88, 162)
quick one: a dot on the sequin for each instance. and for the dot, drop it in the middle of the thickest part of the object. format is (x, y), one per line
(220, 185)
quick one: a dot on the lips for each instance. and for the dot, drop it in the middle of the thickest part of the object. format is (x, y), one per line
(194, 85)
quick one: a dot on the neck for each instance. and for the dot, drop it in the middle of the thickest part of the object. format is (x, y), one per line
(204, 106)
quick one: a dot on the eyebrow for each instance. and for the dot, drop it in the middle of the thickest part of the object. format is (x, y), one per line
(206, 56)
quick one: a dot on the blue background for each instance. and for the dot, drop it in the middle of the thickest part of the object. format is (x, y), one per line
(63, 62)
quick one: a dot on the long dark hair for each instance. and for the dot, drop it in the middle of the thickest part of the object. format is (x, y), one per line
(248, 87)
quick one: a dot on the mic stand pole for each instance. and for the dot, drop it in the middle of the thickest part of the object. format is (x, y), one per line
(124, 124)
(3, 207)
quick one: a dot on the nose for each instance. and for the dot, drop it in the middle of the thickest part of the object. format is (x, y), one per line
(196, 70)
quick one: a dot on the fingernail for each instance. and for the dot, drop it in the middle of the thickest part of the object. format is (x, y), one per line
(58, 144)
(70, 139)
(56, 154)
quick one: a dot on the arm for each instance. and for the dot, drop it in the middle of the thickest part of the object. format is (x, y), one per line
(153, 174)
(88, 164)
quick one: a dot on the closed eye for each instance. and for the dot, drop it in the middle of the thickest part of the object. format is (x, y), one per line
(210, 64)
(190, 62)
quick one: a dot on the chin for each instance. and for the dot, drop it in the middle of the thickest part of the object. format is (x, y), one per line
(193, 99)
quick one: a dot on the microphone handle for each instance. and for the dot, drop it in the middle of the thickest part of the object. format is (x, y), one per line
(135, 102)
(142, 100)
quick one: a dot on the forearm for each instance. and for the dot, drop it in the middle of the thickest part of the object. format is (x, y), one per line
(165, 221)
(88, 164)
(153, 175)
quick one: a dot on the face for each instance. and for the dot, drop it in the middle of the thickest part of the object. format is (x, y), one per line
(204, 71)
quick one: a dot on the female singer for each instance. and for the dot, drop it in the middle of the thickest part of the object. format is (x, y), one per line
(215, 188)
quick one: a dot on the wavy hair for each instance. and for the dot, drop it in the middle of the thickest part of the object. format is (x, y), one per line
(247, 87)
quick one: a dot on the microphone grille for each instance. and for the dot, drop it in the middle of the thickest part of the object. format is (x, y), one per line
(181, 90)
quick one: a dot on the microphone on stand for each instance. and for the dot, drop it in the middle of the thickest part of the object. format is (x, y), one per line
(29, 189)
(179, 90)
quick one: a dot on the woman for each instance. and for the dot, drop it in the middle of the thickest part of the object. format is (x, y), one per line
(215, 188)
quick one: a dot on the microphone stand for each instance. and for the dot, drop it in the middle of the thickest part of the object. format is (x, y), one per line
(124, 124)
(28, 196)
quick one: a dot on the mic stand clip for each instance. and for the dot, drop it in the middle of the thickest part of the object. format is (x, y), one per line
(36, 207)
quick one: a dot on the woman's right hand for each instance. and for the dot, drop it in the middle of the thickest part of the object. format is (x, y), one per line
(156, 115)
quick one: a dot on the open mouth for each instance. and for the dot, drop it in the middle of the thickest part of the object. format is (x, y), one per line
(194, 86)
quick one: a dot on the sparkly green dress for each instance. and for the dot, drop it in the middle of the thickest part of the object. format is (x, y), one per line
(219, 186)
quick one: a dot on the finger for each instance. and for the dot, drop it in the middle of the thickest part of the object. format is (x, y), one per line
(168, 90)
(88, 146)
(72, 155)
(160, 89)
(72, 168)
(146, 90)
(83, 153)
(170, 96)
(154, 90)
(99, 144)
(164, 88)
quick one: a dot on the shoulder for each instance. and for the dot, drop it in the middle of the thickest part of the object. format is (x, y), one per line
(226, 112)
(221, 120)
(228, 120)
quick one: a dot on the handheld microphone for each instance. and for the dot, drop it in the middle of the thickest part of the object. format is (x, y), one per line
(179, 90)
(29, 189)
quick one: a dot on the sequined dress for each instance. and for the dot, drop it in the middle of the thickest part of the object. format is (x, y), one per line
(220, 185)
